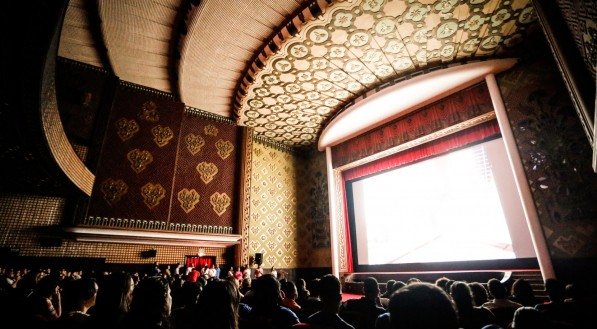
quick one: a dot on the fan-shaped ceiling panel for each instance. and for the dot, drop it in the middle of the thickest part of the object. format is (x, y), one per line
(76, 40)
(137, 35)
(222, 38)
(355, 46)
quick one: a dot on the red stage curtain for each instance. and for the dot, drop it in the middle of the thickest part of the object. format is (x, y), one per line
(452, 142)
(349, 264)
(452, 110)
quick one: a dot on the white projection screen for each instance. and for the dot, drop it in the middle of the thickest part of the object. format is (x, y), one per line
(460, 206)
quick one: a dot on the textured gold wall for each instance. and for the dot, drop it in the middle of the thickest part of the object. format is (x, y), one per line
(286, 225)
(23, 219)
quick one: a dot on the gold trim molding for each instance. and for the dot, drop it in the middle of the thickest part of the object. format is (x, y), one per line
(91, 234)
(154, 225)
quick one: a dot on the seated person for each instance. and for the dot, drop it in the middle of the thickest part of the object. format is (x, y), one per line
(266, 312)
(363, 312)
(422, 306)
(500, 305)
(290, 296)
(330, 294)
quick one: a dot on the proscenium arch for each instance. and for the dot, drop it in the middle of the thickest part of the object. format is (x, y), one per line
(405, 97)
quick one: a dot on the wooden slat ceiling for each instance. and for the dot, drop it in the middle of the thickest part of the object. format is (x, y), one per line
(285, 67)
(223, 36)
(76, 40)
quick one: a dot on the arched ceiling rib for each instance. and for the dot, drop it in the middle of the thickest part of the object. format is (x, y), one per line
(137, 35)
(222, 38)
(355, 46)
(76, 40)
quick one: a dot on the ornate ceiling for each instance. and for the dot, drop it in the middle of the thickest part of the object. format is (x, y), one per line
(285, 67)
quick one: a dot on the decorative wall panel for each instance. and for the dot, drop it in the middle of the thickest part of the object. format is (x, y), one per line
(274, 212)
(166, 167)
(288, 213)
(206, 179)
(555, 155)
(136, 169)
(314, 227)
(581, 18)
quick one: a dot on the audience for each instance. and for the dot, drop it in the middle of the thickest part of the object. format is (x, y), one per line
(389, 289)
(303, 293)
(59, 299)
(480, 296)
(555, 309)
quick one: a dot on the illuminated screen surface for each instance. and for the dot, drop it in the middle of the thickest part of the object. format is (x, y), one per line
(460, 206)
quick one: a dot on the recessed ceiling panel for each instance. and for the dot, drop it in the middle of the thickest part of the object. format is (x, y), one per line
(354, 46)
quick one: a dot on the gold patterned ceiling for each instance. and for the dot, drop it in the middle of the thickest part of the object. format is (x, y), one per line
(285, 67)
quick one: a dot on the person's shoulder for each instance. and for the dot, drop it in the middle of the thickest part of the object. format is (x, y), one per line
(287, 313)
(354, 302)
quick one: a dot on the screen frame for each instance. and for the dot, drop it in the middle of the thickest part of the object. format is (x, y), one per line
(485, 265)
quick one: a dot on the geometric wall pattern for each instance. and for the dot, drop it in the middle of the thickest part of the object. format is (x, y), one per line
(288, 208)
(274, 211)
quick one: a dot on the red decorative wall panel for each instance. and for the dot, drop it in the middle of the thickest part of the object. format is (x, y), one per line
(135, 173)
(206, 178)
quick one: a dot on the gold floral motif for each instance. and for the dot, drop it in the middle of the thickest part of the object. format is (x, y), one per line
(224, 148)
(194, 143)
(149, 112)
(211, 130)
(126, 128)
(152, 194)
(113, 190)
(139, 159)
(207, 171)
(162, 135)
(188, 199)
(220, 202)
